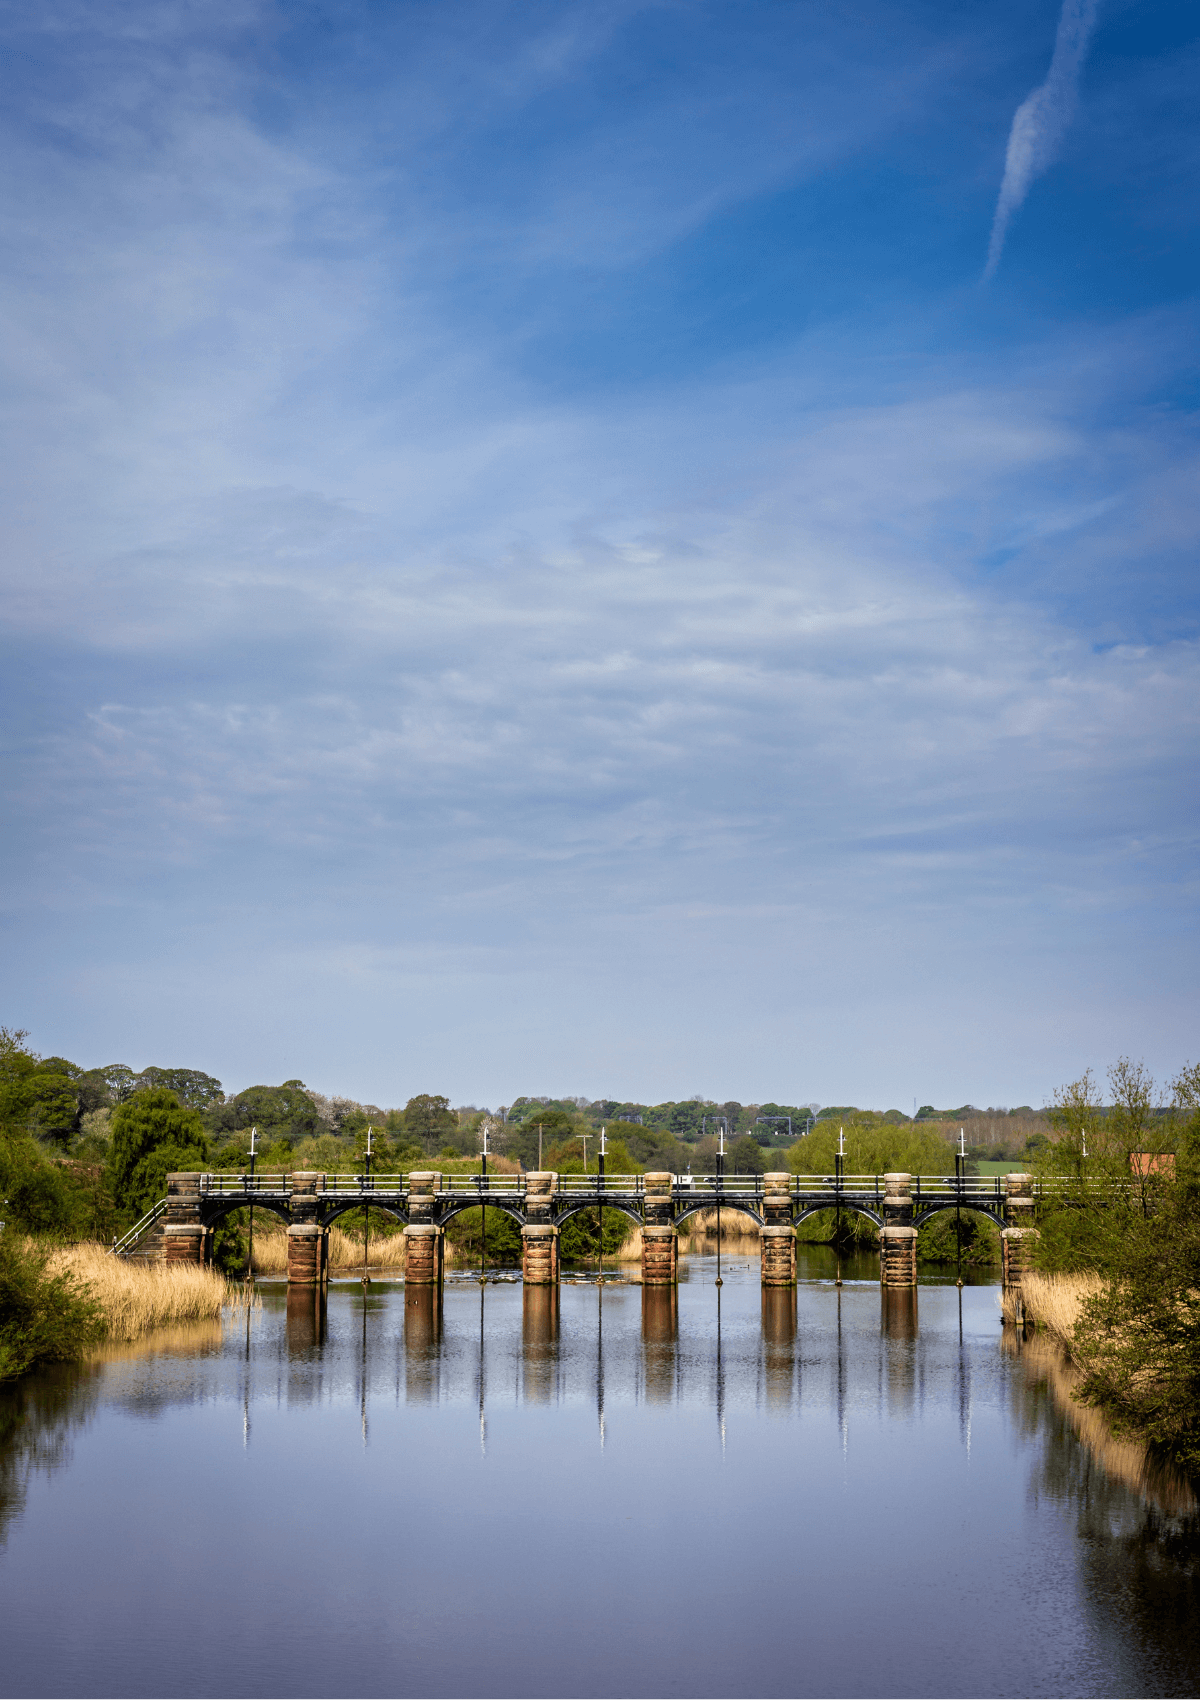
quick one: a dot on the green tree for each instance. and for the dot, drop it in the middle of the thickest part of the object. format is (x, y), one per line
(194, 1089)
(1139, 1338)
(429, 1120)
(873, 1147)
(746, 1157)
(38, 1098)
(153, 1135)
(38, 1195)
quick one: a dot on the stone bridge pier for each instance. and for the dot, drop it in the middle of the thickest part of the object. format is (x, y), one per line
(898, 1237)
(424, 1255)
(777, 1236)
(1017, 1239)
(660, 1241)
(539, 1255)
(308, 1241)
(185, 1237)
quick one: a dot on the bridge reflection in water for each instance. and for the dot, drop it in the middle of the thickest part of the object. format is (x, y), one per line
(906, 1458)
(781, 1349)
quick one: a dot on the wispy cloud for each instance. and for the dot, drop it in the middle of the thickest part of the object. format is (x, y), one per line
(1042, 120)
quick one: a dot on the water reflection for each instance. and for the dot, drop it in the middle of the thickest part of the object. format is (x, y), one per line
(539, 1342)
(779, 1342)
(306, 1315)
(660, 1329)
(422, 1343)
(833, 1401)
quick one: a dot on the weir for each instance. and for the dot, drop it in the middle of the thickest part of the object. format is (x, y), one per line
(180, 1227)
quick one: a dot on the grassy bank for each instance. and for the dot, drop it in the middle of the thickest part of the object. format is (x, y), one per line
(1054, 1302)
(59, 1302)
(134, 1297)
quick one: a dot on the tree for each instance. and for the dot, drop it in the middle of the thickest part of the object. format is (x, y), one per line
(37, 1097)
(746, 1156)
(152, 1136)
(429, 1120)
(281, 1113)
(1076, 1114)
(1139, 1339)
(873, 1147)
(193, 1089)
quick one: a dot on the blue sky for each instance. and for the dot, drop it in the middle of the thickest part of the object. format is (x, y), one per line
(536, 560)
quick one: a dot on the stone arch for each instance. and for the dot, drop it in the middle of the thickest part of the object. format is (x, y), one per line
(493, 1202)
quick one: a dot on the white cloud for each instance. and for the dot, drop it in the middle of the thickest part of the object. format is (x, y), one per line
(1042, 120)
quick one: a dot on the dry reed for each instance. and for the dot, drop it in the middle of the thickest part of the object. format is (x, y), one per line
(1053, 1302)
(136, 1296)
(345, 1250)
(736, 1228)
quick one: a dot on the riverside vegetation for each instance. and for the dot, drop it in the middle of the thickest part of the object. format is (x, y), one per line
(84, 1152)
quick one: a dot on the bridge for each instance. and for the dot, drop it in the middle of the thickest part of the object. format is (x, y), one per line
(180, 1226)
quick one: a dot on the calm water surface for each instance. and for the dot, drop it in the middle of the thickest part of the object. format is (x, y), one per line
(626, 1494)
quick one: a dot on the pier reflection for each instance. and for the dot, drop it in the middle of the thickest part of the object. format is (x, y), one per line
(898, 1312)
(779, 1343)
(539, 1343)
(305, 1326)
(422, 1343)
(898, 1327)
(660, 1328)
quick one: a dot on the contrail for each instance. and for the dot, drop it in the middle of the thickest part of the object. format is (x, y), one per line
(1041, 120)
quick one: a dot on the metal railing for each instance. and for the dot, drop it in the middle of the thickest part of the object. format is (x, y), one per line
(338, 1184)
(130, 1239)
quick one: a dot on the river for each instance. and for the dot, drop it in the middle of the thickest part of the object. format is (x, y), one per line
(627, 1492)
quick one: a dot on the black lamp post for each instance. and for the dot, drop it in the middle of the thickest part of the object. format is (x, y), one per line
(721, 1125)
(960, 1169)
(839, 1163)
(483, 1185)
(366, 1279)
(253, 1158)
(600, 1190)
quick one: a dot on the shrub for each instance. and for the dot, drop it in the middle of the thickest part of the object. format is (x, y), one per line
(44, 1318)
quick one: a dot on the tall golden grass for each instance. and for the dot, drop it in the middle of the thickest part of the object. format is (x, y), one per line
(135, 1296)
(1054, 1302)
(345, 1250)
(737, 1229)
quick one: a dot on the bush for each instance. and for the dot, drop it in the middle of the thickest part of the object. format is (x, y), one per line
(43, 1318)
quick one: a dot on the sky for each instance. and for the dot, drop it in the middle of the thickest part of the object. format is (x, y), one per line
(631, 550)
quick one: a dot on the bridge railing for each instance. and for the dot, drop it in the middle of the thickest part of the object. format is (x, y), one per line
(127, 1240)
(924, 1188)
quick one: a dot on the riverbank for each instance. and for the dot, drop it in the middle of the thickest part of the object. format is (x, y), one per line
(58, 1302)
(134, 1297)
(1053, 1302)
